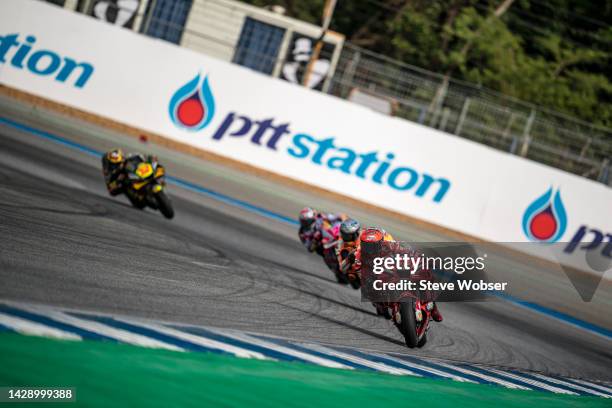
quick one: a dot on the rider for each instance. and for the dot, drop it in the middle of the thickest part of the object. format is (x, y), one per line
(315, 226)
(349, 254)
(113, 164)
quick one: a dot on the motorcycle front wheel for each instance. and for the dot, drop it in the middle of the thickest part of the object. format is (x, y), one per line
(340, 277)
(136, 203)
(355, 283)
(164, 205)
(407, 325)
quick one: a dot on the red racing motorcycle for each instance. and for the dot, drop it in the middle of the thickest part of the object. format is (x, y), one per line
(412, 312)
(411, 316)
(329, 245)
(326, 245)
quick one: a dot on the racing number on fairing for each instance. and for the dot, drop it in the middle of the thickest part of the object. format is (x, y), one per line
(144, 170)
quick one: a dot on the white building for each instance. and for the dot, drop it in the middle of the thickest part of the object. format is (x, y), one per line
(262, 39)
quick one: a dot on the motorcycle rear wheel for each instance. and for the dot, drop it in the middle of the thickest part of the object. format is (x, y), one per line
(164, 205)
(407, 325)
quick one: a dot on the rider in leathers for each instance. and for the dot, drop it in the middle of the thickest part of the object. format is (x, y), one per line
(113, 165)
(349, 256)
(315, 226)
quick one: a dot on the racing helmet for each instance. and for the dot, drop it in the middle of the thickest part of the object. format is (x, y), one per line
(372, 235)
(307, 216)
(349, 230)
(115, 156)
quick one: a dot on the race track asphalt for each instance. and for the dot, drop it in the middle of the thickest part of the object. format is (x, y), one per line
(65, 242)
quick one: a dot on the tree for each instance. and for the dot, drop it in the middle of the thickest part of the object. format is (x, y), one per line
(554, 53)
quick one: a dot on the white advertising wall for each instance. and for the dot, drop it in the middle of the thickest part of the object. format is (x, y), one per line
(405, 167)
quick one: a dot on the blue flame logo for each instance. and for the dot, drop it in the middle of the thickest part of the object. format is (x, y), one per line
(192, 106)
(545, 220)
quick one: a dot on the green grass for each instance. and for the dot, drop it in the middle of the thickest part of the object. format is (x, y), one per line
(113, 375)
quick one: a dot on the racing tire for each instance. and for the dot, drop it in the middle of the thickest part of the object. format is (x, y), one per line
(408, 324)
(341, 278)
(135, 202)
(330, 259)
(383, 312)
(164, 205)
(423, 340)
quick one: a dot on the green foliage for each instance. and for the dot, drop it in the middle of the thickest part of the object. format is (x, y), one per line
(554, 53)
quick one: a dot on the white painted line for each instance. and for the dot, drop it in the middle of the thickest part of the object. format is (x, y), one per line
(281, 349)
(362, 361)
(424, 368)
(555, 317)
(594, 385)
(198, 340)
(99, 328)
(25, 326)
(210, 265)
(570, 385)
(35, 329)
(485, 377)
(530, 381)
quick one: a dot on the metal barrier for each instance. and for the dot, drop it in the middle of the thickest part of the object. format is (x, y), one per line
(478, 114)
(464, 109)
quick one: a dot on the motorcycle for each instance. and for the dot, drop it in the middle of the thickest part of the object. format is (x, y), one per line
(145, 184)
(329, 245)
(411, 316)
(412, 312)
(353, 274)
(326, 245)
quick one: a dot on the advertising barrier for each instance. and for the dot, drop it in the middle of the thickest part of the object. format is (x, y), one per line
(283, 128)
